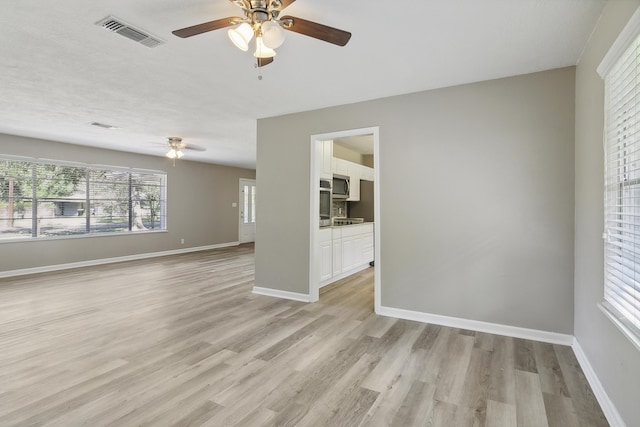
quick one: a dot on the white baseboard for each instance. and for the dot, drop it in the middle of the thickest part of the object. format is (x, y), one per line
(609, 409)
(90, 263)
(281, 294)
(491, 328)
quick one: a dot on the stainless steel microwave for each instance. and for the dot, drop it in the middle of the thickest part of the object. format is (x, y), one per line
(340, 187)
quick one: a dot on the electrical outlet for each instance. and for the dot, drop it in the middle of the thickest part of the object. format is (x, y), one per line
(234, 205)
(182, 241)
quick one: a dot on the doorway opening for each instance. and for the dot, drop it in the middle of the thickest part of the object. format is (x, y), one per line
(247, 211)
(329, 256)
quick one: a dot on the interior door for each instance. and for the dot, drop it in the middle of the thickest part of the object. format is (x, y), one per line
(247, 220)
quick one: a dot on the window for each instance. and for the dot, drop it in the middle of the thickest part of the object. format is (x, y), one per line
(249, 216)
(621, 72)
(46, 199)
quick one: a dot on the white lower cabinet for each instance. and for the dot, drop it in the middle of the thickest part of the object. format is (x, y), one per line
(367, 247)
(351, 251)
(337, 258)
(336, 239)
(326, 255)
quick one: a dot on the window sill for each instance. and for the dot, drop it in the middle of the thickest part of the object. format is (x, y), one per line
(626, 331)
(81, 236)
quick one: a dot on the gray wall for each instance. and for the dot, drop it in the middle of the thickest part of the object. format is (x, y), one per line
(615, 360)
(476, 185)
(365, 207)
(199, 199)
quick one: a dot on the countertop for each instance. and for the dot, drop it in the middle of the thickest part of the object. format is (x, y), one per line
(345, 225)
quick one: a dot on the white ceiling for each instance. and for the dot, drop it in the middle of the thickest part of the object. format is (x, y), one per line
(60, 72)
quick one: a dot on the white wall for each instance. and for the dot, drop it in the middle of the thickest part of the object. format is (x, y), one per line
(476, 198)
(615, 360)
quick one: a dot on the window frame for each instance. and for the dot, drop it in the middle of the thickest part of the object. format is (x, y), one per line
(89, 231)
(629, 36)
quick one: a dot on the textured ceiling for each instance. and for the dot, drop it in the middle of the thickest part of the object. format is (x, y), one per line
(60, 72)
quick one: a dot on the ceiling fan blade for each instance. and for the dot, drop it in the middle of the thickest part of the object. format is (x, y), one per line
(279, 4)
(315, 30)
(264, 61)
(206, 27)
(193, 147)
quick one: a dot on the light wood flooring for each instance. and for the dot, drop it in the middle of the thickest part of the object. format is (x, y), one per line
(182, 341)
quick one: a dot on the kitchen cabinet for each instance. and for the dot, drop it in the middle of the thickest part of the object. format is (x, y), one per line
(337, 258)
(356, 172)
(340, 166)
(325, 154)
(336, 244)
(345, 167)
(367, 174)
(367, 247)
(351, 251)
(354, 240)
(326, 254)
(347, 242)
(354, 182)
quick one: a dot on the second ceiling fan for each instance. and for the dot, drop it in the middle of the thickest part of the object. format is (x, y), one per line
(262, 20)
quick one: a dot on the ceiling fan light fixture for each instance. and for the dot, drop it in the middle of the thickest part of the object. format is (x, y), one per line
(262, 21)
(272, 35)
(263, 51)
(241, 36)
(174, 153)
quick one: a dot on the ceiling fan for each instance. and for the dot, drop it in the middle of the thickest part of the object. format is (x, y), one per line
(176, 145)
(262, 20)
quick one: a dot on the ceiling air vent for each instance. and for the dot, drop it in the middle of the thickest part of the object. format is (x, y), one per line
(117, 25)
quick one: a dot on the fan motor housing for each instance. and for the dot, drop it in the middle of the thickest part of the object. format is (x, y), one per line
(260, 16)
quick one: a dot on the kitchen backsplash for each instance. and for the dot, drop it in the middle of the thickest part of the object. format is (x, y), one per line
(339, 209)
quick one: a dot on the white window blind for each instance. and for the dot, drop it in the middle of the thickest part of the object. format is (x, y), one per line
(42, 198)
(622, 188)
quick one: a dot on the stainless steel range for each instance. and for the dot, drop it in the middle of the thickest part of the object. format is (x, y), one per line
(347, 221)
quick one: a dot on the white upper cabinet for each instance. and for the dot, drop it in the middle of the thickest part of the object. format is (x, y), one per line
(367, 174)
(340, 166)
(353, 171)
(345, 167)
(325, 153)
(356, 172)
